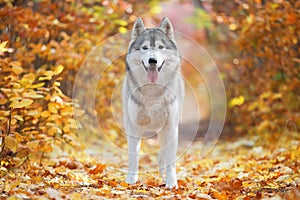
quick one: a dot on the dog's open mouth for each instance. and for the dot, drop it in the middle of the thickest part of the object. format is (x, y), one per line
(152, 73)
(161, 66)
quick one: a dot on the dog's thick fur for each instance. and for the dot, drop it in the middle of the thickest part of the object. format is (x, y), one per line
(153, 92)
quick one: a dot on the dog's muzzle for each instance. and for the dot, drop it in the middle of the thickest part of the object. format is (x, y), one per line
(153, 65)
(152, 70)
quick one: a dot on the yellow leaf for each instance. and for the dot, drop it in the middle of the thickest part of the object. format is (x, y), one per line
(17, 70)
(3, 171)
(18, 117)
(277, 96)
(66, 128)
(54, 131)
(21, 104)
(4, 49)
(4, 163)
(46, 146)
(72, 123)
(66, 111)
(33, 113)
(11, 143)
(28, 78)
(47, 75)
(18, 90)
(2, 46)
(237, 101)
(45, 113)
(232, 26)
(123, 30)
(253, 106)
(15, 64)
(33, 95)
(15, 98)
(58, 69)
(38, 85)
(33, 144)
(42, 78)
(6, 90)
(4, 113)
(52, 108)
(56, 83)
(266, 95)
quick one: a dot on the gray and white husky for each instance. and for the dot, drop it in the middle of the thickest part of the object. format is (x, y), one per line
(153, 92)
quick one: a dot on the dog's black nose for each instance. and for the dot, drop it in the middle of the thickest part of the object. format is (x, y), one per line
(152, 61)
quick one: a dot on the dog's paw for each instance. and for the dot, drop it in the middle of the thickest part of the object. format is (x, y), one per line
(171, 185)
(131, 179)
(171, 180)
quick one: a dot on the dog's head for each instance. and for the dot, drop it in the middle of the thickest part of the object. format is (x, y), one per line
(153, 51)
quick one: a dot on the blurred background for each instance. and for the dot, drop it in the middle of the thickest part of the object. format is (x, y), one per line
(43, 43)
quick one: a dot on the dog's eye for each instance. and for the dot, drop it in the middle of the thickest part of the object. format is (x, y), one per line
(144, 47)
(161, 47)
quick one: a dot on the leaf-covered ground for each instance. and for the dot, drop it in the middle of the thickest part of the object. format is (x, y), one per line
(245, 168)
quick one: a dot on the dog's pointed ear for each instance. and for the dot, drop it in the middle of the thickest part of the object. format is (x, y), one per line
(167, 28)
(138, 28)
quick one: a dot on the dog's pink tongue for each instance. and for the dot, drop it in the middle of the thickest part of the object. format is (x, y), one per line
(152, 75)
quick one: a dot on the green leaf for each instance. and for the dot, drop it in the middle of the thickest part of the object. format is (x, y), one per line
(279, 76)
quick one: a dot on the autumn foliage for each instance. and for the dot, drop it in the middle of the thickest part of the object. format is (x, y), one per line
(263, 80)
(44, 43)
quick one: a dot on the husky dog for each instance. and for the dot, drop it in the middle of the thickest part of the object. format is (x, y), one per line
(153, 92)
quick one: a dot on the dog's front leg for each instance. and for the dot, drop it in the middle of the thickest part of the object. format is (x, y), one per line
(171, 150)
(162, 154)
(134, 143)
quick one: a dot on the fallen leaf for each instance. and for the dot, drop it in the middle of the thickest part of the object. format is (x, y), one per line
(98, 169)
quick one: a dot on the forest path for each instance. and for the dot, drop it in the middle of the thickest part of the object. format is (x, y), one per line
(248, 168)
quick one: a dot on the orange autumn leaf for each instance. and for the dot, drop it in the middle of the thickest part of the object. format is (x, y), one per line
(291, 18)
(98, 169)
(257, 54)
(219, 195)
(124, 184)
(181, 183)
(112, 183)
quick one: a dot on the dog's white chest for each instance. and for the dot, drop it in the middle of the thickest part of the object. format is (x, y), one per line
(152, 116)
(151, 113)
